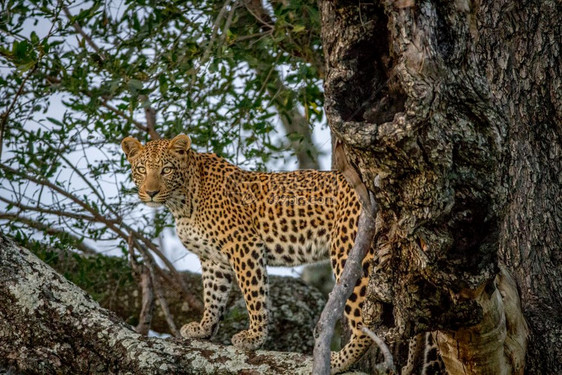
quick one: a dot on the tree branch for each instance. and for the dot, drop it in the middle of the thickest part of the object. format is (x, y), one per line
(114, 224)
(77, 242)
(142, 274)
(59, 213)
(256, 9)
(342, 290)
(48, 325)
(149, 264)
(388, 363)
(86, 37)
(150, 112)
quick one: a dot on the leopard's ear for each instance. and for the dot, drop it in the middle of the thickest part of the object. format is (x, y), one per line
(180, 144)
(131, 146)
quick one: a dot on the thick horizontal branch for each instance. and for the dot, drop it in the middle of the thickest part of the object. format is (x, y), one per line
(48, 325)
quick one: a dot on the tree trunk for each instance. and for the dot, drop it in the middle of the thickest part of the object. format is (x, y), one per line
(451, 112)
(48, 325)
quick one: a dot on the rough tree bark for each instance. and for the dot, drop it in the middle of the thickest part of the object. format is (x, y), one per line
(48, 325)
(451, 111)
(295, 306)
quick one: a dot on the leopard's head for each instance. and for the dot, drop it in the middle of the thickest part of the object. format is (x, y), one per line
(159, 168)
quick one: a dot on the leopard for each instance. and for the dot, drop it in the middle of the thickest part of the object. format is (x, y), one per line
(239, 222)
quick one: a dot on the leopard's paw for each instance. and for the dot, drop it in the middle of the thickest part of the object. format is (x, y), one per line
(194, 330)
(249, 340)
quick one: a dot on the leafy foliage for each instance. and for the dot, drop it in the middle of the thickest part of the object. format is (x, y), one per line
(224, 72)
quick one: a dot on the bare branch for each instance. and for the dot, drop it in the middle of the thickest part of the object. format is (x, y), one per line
(147, 305)
(342, 290)
(150, 114)
(47, 211)
(77, 242)
(256, 9)
(149, 263)
(87, 181)
(388, 364)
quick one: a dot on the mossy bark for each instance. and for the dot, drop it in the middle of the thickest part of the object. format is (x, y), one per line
(109, 280)
(49, 325)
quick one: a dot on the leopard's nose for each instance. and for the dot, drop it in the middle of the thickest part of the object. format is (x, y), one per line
(151, 194)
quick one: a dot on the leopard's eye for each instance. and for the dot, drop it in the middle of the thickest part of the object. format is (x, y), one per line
(141, 169)
(167, 170)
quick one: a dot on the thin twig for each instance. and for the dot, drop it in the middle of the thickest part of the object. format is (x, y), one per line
(227, 24)
(256, 9)
(388, 364)
(252, 36)
(89, 183)
(342, 290)
(145, 281)
(120, 113)
(77, 242)
(157, 287)
(6, 113)
(86, 37)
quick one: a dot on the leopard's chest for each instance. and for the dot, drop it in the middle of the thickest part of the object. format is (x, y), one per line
(196, 239)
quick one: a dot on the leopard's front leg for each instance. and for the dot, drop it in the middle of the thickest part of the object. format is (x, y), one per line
(248, 262)
(217, 282)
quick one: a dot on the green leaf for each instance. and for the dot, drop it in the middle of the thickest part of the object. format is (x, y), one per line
(134, 85)
(55, 121)
(298, 28)
(20, 49)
